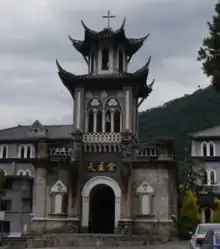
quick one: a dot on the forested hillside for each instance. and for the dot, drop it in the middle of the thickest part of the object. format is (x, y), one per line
(181, 116)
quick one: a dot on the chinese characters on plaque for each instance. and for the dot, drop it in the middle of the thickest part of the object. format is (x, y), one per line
(102, 167)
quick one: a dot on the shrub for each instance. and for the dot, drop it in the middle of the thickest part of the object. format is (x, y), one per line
(216, 213)
(189, 215)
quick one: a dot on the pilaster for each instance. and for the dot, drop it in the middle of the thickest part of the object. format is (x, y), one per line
(40, 193)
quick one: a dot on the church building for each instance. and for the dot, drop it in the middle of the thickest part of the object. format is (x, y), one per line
(103, 180)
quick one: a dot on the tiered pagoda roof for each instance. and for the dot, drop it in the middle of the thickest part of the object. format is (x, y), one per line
(137, 79)
(117, 36)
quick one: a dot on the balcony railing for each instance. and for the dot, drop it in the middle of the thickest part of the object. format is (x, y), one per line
(60, 152)
(143, 151)
(102, 138)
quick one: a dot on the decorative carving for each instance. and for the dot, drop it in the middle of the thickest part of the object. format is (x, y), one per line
(104, 95)
(58, 187)
(112, 102)
(127, 150)
(95, 102)
(145, 188)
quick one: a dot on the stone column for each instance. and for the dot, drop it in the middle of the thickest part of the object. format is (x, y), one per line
(40, 196)
(112, 121)
(94, 120)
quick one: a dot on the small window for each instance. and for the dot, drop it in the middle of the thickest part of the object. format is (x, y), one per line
(205, 178)
(21, 173)
(5, 228)
(211, 149)
(204, 149)
(117, 121)
(120, 61)
(4, 151)
(6, 205)
(28, 151)
(90, 121)
(212, 177)
(99, 121)
(27, 173)
(22, 151)
(105, 59)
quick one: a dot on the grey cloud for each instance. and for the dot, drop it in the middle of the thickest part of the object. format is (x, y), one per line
(35, 32)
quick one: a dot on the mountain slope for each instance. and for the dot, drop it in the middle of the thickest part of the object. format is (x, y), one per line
(181, 116)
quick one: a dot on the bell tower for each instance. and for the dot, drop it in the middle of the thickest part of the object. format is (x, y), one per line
(106, 99)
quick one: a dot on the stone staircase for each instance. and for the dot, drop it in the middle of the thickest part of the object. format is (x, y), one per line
(78, 240)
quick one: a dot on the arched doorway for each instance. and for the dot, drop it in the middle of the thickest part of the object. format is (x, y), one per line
(102, 210)
(88, 189)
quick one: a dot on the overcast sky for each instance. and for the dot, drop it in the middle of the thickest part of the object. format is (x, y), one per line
(33, 33)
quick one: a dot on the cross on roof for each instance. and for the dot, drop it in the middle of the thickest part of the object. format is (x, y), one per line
(109, 16)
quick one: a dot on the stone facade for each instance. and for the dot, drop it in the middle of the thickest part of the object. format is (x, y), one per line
(105, 163)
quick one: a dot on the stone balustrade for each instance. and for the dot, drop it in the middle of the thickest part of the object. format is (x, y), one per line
(102, 138)
(143, 151)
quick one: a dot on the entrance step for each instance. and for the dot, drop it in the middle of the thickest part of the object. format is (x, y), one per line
(85, 240)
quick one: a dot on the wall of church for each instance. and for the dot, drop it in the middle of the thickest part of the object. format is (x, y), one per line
(44, 216)
(44, 181)
(163, 203)
(157, 178)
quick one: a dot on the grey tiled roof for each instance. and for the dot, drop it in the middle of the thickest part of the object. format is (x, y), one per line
(210, 132)
(22, 132)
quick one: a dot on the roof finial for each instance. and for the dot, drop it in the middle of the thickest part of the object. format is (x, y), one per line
(109, 16)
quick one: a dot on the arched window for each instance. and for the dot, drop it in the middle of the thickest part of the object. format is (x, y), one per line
(28, 151)
(108, 121)
(4, 151)
(27, 173)
(117, 121)
(22, 151)
(92, 62)
(20, 172)
(120, 61)
(211, 149)
(90, 121)
(99, 121)
(105, 59)
(212, 177)
(204, 149)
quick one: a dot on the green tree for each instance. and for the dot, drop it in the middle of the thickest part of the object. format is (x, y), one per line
(191, 176)
(189, 214)
(209, 53)
(216, 213)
